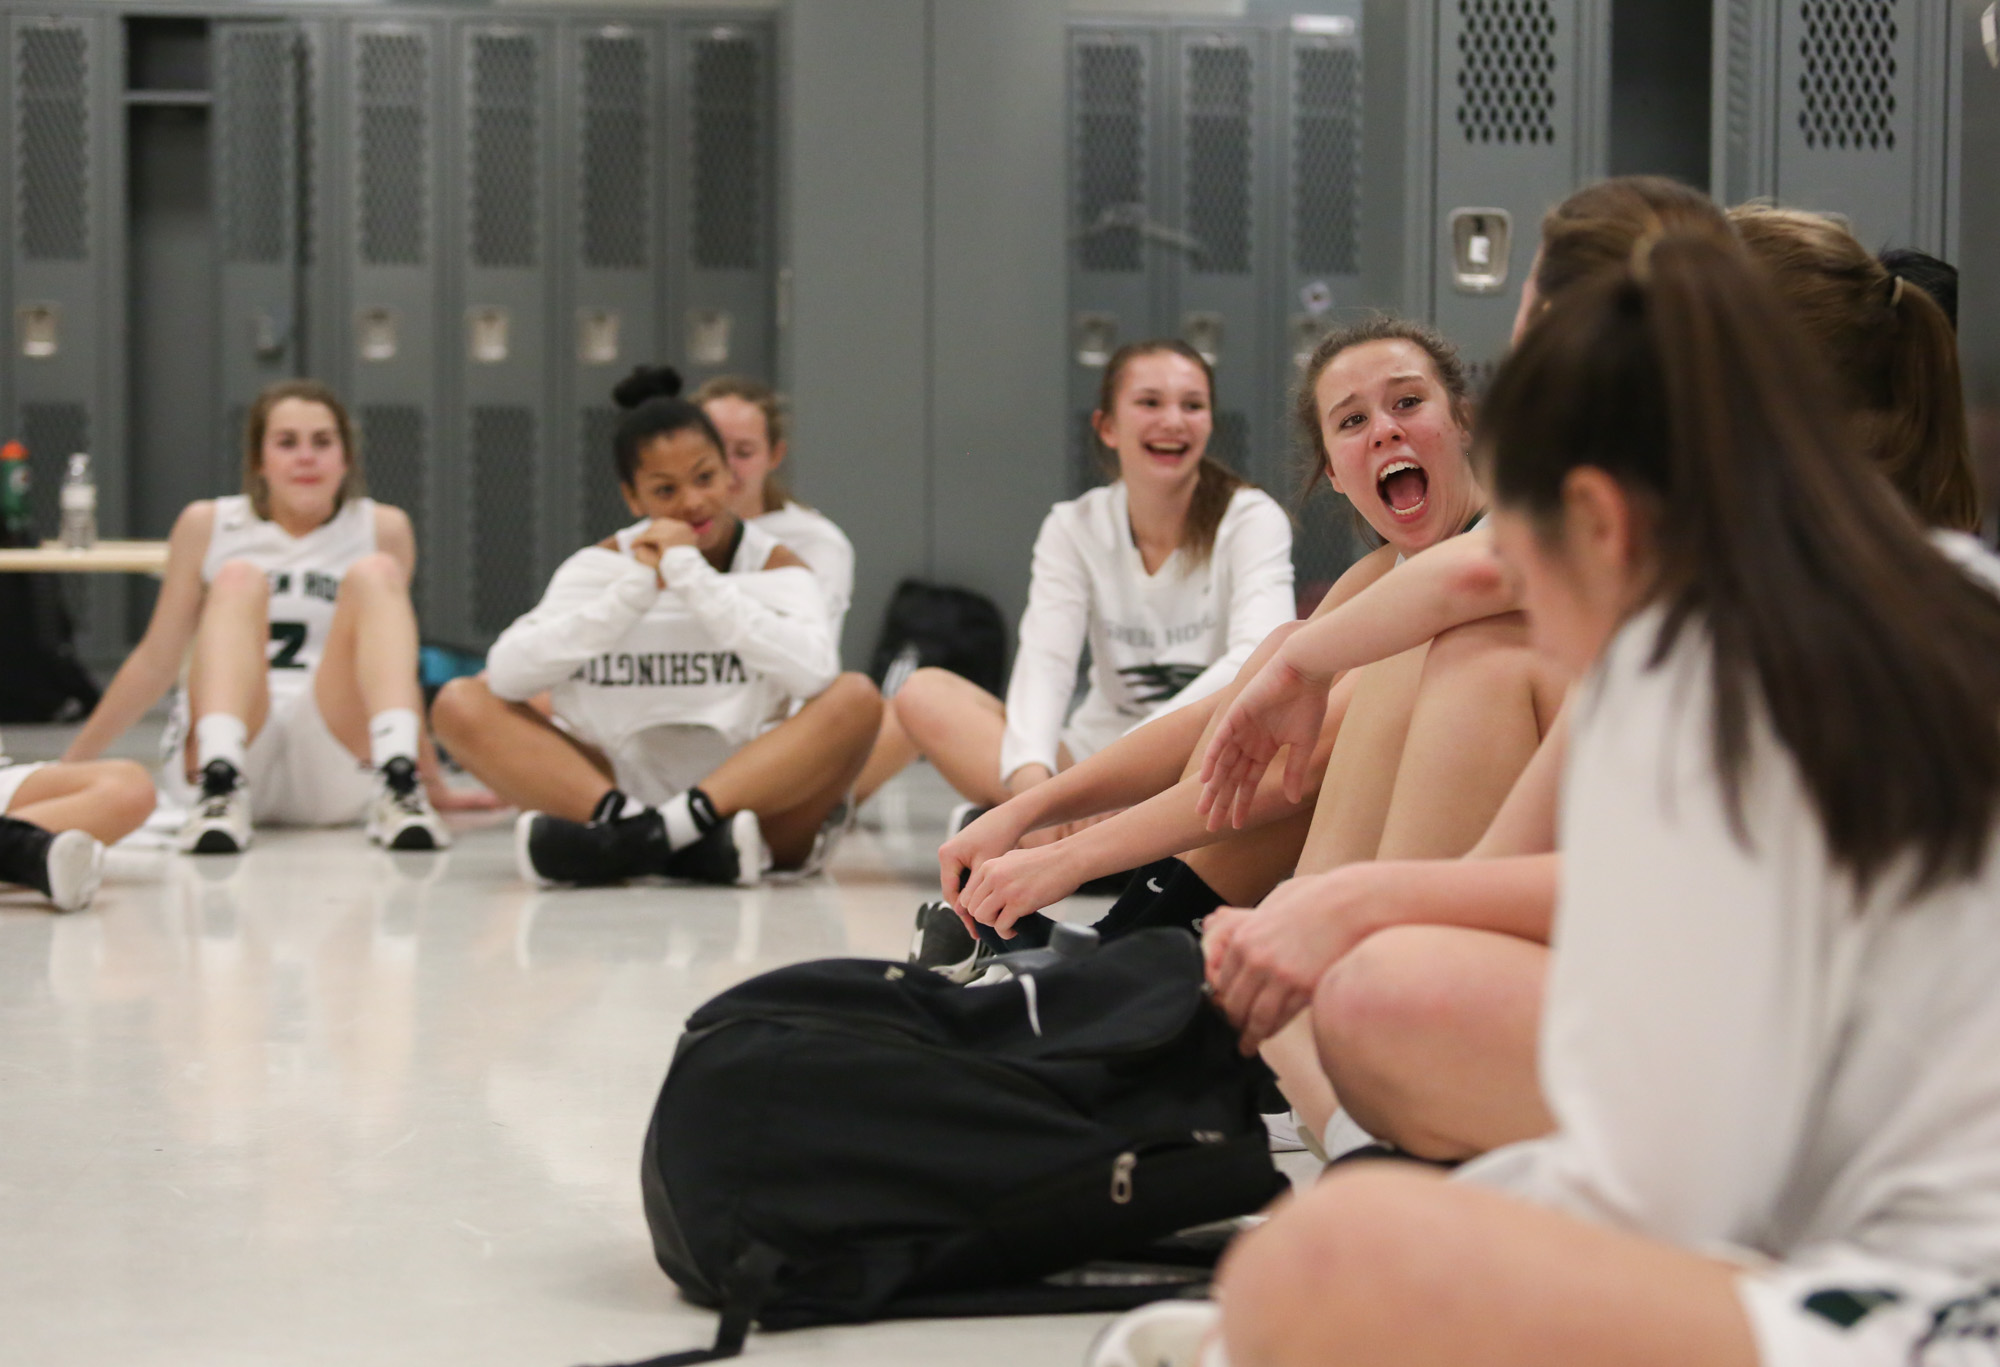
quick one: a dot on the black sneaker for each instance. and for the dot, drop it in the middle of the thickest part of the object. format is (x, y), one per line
(731, 852)
(65, 868)
(550, 851)
(220, 820)
(941, 941)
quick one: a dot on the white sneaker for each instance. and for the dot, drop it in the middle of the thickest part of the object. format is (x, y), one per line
(400, 815)
(1163, 1334)
(76, 868)
(219, 822)
(963, 815)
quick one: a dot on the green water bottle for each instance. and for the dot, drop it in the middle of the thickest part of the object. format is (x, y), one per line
(17, 522)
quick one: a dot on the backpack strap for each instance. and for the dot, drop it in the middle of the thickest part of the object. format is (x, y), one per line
(744, 1292)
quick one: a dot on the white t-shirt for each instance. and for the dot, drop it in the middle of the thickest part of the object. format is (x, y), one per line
(1971, 555)
(304, 574)
(1741, 1051)
(1157, 641)
(826, 550)
(621, 656)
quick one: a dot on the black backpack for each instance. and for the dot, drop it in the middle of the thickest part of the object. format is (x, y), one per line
(948, 628)
(41, 678)
(851, 1140)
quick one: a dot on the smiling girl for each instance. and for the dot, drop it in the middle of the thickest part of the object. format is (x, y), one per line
(671, 656)
(1171, 574)
(289, 607)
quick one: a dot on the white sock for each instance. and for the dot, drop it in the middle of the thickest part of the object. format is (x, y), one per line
(682, 829)
(392, 734)
(221, 736)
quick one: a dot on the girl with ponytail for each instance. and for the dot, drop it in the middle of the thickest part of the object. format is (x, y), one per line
(1775, 1105)
(673, 706)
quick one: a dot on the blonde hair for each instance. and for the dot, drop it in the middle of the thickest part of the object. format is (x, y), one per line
(1215, 483)
(777, 493)
(258, 489)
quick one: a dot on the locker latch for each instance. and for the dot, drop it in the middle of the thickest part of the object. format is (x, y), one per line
(1481, 241)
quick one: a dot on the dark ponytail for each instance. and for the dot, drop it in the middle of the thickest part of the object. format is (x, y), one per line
(1876, 660)
(650, 396)
(1215, 484)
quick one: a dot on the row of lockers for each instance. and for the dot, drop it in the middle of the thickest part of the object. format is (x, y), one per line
(471, 226)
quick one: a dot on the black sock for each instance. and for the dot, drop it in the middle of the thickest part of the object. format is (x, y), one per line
(1173, 895)
(24, 854)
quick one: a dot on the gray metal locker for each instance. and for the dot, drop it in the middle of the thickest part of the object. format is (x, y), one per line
(721, 159)
(1520, 121)
(502, 361)
(393, 107)
(1838, 105)
(614, 244)
(64, 81)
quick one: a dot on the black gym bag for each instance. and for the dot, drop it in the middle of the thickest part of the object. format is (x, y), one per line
(853, 1140)
(945, 628)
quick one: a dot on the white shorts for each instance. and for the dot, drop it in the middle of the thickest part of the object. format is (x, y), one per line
(299, 773)
(1841, 1307)
(12, 776)
(1094, 725)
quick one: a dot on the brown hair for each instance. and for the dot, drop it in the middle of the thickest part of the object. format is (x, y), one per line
(1215, 484)
(1595, 229)
(1891, 348)
(258, 489)
(1379, 327)
(777, 492)
(1876, 660)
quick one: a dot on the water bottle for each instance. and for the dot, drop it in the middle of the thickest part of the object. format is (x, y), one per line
(17, 522)
(79, 505)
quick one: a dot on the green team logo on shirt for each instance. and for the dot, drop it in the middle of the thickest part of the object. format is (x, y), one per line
(1157, 683)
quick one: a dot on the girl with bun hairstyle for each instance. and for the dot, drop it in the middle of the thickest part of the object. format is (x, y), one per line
(750, 417)
(286, 613)
(673, 655)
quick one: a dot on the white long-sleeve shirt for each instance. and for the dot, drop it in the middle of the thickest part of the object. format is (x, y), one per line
(1157, 641)
(814, 538)
(1742, 1051)
(620, 655)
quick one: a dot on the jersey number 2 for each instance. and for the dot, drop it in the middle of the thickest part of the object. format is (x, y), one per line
(291, 639)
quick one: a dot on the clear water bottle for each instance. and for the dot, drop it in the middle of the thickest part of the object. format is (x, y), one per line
(79, 505)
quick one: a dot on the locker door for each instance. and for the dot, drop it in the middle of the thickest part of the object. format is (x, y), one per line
(1219, 280)
(1519, 124)
(722, 304)
(392, 332)
(1855, 131)
(502, 348)
(1113, 74)
(64, 362)
(611, 185)
(255, 144)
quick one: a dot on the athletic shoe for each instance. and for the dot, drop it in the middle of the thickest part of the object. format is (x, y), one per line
(64, 867)
(220, 821)
(400, 816)
(729, 852)
(942, 944)
(963, 815)
(1163, 1334)
(550, 851)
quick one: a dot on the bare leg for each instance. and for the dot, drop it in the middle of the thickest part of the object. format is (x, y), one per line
(1429, 1035)
(370, 661)
(517, 752)
(110, 798)
(228, 662)
(1353, 804)
(1382, 1266)
(892, 754)
(1244, 868)
(957, 725)
(793, 774)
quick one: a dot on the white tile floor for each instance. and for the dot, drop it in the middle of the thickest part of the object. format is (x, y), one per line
(319, 1104)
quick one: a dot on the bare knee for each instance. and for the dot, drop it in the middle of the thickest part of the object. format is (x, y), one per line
(1372, 1013)
(856, 699)
(126, 791)
(462, 705)
(924, 702)
(1491, 643)
(239, 581)
(380, 572)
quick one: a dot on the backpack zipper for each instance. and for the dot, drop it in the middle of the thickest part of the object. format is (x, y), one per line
(1121, 1177)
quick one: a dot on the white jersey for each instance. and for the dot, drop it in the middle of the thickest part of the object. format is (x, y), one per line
(621, 656)
(826, 550)
(304, 573)
(1742, 1051)
(1157, 641)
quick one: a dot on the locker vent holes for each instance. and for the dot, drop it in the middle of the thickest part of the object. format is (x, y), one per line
(1218, 157)
(728, 169)
(255, 79)
(603, 510)
(1326, 166)
(1848, 85)
(1506, 69)
(503, 511)
(392, 451)
(617, 140)
(505, 184)
(395, 141)
(1110, 157)
(54, 150)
